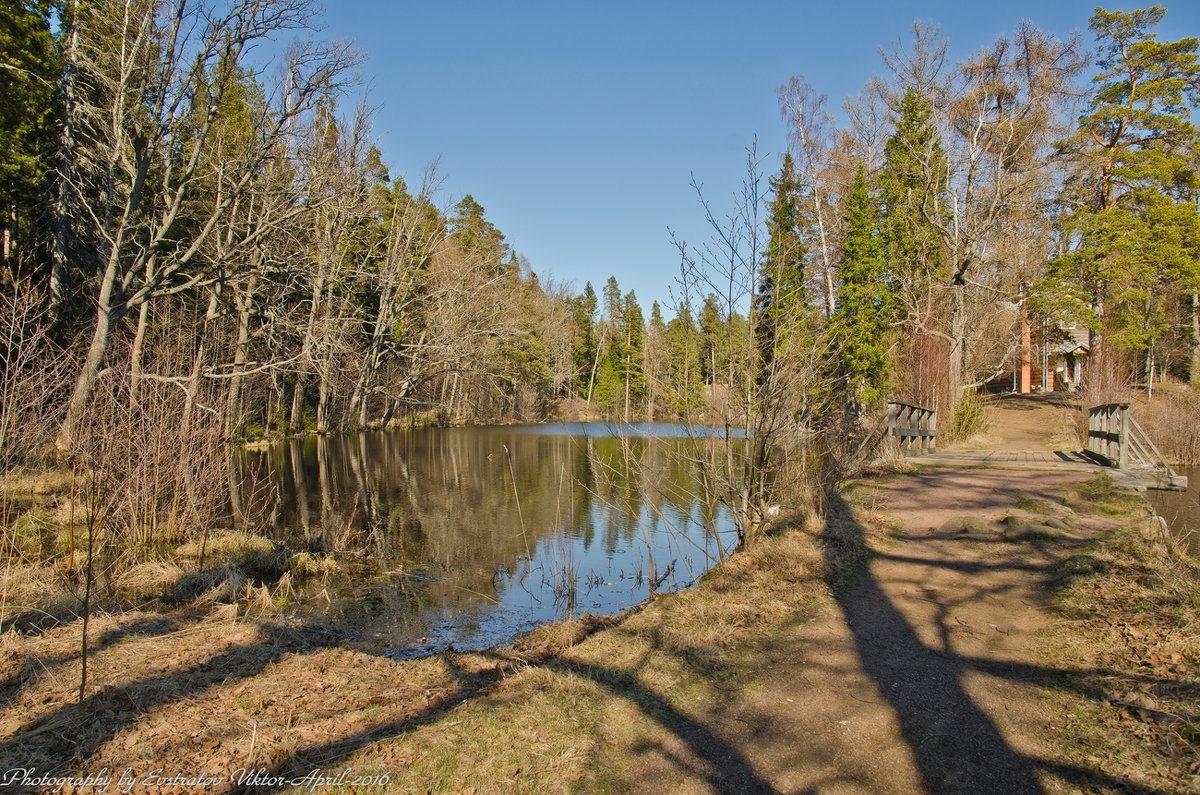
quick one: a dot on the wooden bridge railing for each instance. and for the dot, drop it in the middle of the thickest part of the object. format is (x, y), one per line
(913, 427)
(1108, 429)
(1117, 439)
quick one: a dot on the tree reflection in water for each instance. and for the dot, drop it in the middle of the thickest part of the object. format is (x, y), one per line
(444, 547)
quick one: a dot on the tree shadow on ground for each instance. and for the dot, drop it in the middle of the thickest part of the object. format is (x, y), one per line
(70, 735)
(34, 667)
(714, 759)
(956, 745)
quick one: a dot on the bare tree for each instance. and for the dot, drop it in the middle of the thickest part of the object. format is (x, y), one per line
(999, 114)
(810, 130)
(157, 75)
(748, 471)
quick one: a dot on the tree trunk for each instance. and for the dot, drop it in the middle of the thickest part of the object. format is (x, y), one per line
(241, 353)
(107, 315)
(595, 366)
(233, 418)
(59, 286)
(1096, 366)
(296, 420)
(1195, 371)
(135, 355)
(323, 404)
(626, 388)
(958, 344)
(235, 491)
(1026, 352)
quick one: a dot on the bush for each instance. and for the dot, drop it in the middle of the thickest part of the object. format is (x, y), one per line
(968, 417)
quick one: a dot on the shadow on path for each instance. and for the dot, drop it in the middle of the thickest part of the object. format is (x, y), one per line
(956, 745)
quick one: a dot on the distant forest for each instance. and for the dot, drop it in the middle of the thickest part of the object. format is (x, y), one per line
(194, 241)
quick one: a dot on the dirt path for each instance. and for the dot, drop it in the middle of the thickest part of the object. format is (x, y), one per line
(926, 676)
(1028, 423)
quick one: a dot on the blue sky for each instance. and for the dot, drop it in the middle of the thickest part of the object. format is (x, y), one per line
(578, 126)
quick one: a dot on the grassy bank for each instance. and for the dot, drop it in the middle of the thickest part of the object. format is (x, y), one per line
(596, 704)
(566, 706)
(1128, 634)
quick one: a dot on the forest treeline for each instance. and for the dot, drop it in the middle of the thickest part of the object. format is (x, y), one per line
(198, 236)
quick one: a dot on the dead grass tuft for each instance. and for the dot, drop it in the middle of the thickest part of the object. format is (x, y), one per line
(211, 586)
(304, 565)
(252, 554)
(153, 579)
(32, 594)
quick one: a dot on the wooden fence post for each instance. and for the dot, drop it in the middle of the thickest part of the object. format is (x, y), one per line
(1123, 439)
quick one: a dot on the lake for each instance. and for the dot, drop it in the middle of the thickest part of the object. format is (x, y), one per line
(1181, 509)
(465, 537)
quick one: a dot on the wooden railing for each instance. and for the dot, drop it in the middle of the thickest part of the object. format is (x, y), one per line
(913, 427)
(1108, 428)
(1117, 439)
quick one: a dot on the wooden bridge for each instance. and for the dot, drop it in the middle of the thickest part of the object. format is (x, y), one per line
(1116, 443)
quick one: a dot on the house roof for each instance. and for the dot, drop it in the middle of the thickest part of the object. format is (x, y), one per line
(1071, 347)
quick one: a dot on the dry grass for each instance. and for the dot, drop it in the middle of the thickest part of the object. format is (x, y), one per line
(575, 713)
(253, 554)
(1131, 639)
(35, 595)
(303, 565)
(566, 707)
(1172, 420)
(35, 482)
(150, 580)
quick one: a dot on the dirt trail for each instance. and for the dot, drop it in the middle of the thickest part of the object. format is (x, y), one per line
(925, 677)
(1028, 423)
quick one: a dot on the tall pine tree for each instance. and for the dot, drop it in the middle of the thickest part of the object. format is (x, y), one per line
(1136, 255)
(862, 326)
(780, 303)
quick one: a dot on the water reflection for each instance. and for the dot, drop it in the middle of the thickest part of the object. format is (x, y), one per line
(471, 535)
(1181, 509)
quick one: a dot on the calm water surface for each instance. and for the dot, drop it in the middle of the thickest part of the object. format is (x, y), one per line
(469, 536)
(1181, 509)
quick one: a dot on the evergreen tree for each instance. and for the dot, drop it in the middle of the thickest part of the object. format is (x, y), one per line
(583, 313)
(712, 341)
(1136, 222)
(633, 352)
(28, 75)
(473, 233)
(683, 346)
(610, 380)
(780, 303)
(862, 325)
(911, 187)
(656, 361)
